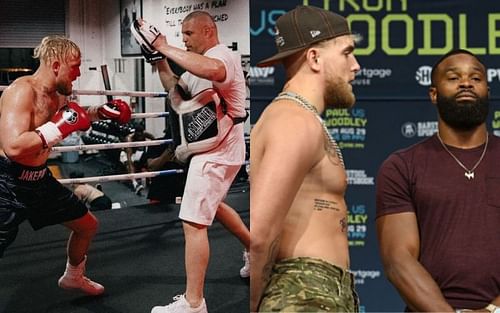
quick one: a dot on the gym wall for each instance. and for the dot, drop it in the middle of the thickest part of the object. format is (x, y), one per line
(101, 29)
(231, 17)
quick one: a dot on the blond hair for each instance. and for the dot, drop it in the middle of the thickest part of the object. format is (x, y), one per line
(56, 47)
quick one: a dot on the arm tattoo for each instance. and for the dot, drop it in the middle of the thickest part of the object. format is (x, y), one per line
(268, 266)
(343, 224)
(321, 204)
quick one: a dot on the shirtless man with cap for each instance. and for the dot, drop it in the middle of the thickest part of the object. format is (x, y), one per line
(298, 216)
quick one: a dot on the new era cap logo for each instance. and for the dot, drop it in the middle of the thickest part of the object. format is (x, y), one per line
(280, 41)
(315, 33)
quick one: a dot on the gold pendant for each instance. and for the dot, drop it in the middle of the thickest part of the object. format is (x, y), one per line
(469, 175)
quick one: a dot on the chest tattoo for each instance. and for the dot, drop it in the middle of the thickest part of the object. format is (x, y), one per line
(321, 204)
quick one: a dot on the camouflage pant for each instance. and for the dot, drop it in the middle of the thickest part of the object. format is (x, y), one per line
(309, 285)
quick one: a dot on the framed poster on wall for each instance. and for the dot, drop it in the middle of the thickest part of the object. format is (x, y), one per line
(130, 10)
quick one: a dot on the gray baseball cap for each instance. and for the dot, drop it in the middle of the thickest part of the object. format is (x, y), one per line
(301, 27)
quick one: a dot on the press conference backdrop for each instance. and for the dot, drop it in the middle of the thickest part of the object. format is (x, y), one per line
(402, 39)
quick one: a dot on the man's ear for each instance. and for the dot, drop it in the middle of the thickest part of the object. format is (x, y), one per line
(56, 65)
(433, 94)
(313, 59)
(207, 31)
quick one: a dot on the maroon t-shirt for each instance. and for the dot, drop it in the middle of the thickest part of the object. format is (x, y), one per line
(458, 218)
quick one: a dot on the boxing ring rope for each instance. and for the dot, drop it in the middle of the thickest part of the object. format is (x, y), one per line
(120, 145)
(115, 145)
(109, 178)
(149, 115)
(120, 93)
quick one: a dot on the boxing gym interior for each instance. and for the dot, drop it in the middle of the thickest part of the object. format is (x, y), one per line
(138, 252)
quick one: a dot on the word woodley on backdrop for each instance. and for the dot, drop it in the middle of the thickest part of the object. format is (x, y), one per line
(390, 27)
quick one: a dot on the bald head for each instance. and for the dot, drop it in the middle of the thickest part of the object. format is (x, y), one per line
(199, 32)
(201, 17)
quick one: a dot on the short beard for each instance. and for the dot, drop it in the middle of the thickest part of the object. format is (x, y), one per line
(464, 115)
(63, 90)
(338, 94)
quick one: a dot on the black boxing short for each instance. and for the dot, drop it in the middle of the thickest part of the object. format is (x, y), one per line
(10, 209)
(101, 203)
(32, 193)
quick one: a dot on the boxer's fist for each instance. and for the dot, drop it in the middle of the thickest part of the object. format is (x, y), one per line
(68, 119)
(116, 110)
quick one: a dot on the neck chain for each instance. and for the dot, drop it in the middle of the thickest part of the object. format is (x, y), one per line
(469, 173)
(331, 143)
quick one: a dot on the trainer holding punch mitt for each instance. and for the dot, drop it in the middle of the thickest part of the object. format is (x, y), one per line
(207, 111)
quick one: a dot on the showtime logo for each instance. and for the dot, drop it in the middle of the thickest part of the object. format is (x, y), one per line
(423, 75)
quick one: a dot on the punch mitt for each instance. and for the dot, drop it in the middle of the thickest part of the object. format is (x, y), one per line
(145, 34)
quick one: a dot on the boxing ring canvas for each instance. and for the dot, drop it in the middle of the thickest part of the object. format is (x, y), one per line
(130, 10)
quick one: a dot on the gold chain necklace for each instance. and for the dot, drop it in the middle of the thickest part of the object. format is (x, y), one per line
(332, 144)
(469, 173)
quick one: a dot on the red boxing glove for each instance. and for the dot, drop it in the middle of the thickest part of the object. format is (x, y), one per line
(68, 119)
(116, 110)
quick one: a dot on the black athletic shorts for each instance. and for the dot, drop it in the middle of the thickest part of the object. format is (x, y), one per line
(32, 193)
(101, 203)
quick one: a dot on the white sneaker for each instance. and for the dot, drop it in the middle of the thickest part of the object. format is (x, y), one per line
(180, 305)
(245, 270)
(138, 189)
(73, 278)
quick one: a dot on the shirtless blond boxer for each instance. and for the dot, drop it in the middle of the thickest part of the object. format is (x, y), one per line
(298, 216)
(34, 116)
